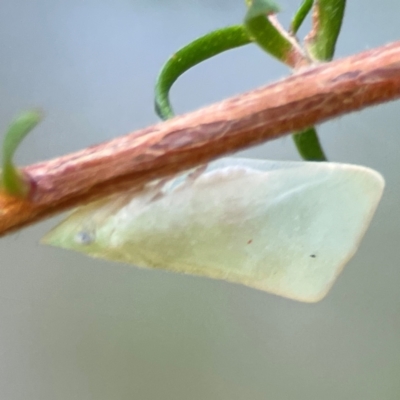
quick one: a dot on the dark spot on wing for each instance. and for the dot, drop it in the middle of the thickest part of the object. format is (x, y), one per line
(84, 238)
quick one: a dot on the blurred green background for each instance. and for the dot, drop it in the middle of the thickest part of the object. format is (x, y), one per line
(77, 328)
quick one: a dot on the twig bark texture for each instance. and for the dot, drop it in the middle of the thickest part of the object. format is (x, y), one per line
(308, 97)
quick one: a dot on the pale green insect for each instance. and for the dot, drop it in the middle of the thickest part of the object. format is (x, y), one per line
(283, 227)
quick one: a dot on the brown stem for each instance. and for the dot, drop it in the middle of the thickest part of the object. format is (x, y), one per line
(308, 97)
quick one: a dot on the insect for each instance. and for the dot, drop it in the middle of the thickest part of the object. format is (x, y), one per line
(287, 228)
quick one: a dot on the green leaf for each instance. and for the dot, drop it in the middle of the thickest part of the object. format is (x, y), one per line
(12, 181)
(264, 33)
(187, 57)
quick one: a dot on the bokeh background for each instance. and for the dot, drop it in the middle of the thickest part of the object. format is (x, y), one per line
(77, 328)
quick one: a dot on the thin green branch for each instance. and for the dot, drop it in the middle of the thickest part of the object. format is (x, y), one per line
(328, 18)
(12, 181)
(300, 15)
(321, 42)
(187, 57)
(308, 145)
(266, 34)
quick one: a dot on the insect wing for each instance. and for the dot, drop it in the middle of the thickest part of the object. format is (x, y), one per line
(283, 227)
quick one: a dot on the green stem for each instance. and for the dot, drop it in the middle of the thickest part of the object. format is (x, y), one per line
(300, 15)
(265, 34)
(328, 18)
(12, 181)
(308, 145)
(195, 52)
(327, 21)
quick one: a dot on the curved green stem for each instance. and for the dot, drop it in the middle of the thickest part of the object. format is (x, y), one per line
(195, 52)
(12, 181)
(300, 15)
(266, 34)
